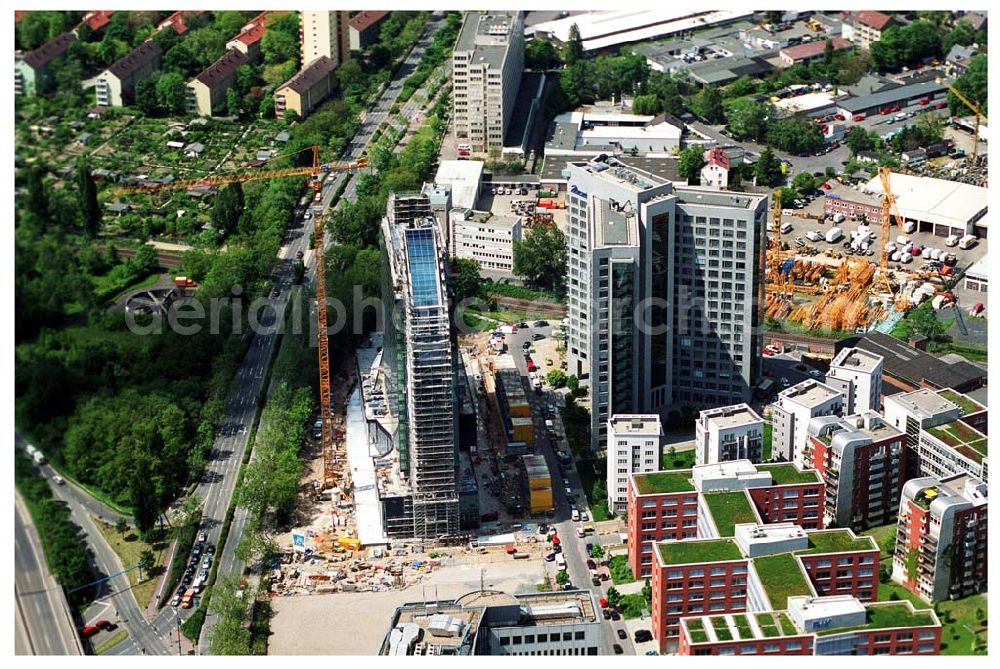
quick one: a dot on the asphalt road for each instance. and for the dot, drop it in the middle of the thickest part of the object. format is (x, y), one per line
(220, 478)
(574, 548)
(43, 624)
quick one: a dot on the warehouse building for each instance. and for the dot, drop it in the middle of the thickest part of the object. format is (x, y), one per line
(592, 132)
(977, 277)
(937, 205)
(904, 96)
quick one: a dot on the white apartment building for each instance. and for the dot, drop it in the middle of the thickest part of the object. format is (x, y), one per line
(690, 258)
(793, 410)
(487, 64)
(729, 433)
(858, 375)
(324, 34)
(485, 238)
(633, 448)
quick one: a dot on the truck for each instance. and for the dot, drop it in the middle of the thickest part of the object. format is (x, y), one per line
(952, 240)
(197, 585)
(839, 218)
(833, 235)
(185, 282)
(188, 600)
(38, 457)
(967, 242)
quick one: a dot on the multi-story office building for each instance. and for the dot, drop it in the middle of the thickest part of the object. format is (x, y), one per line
(420, 359)
(729, 433)
(633, 448)
(207, 92)
(796, 406)
(758, 570)
(865, 462)
(487, 64)
(946, 429)
(941, 538)
(708, 501)
(485, 238)
(664, 292)
(834, 625)
(487, 622)
(324, 34)
(116, 85)
(858, 375)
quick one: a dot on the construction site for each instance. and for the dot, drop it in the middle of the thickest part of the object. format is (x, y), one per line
(843, 290)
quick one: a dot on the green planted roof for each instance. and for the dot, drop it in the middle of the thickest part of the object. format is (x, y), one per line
(837, 541)
(782, 577)
(698, 551)
(966, 440)
(887, 616)
(787, 474)
(967, 404)
(675, 480)
(728, 509)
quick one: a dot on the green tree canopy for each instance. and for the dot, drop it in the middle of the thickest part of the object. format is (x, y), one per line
(541, 54)
(689, 165)
(708, 105)
(541, 258)
(573, 51)
(767, 169)
(747, 119)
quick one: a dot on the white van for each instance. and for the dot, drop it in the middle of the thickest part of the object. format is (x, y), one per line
(967, 242)
(575, 515)
(909, 227)
(560, 562)
(952, 240)
(785, 228)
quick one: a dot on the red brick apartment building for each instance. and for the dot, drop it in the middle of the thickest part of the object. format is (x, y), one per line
(838, 625)
(758, 570)
(941, 538)
(708, 500)
(864, 462)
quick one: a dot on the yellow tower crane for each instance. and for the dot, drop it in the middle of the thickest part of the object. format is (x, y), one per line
(315, 172)
(975, 111)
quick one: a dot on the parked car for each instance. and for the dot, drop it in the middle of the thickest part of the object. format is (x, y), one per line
(641, 636)
(615, 615)
(88, 631)
(196, 549)
(607, 614)
(176, 599)
(210, 550)
(58, 480)
(537, 336)
(203, 574)
(550, 557)
(618, 649)
(591, 564)
(622, 634)
(207, 562)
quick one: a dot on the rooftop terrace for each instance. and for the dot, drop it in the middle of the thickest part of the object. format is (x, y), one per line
(967, 404)
(968, 441)
(728, 509)
(699, 551)
(837, 541)
(675, 480)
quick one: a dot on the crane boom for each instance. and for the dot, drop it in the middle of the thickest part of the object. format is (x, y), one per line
(976, 112)
(889, 210)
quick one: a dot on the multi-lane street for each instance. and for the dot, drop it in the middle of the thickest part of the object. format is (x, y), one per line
(43, 624)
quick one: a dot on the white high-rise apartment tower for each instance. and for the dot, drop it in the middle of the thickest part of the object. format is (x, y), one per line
(633, 448)
(324, 34)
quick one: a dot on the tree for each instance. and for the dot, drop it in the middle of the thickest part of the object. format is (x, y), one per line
(146, 561)
(767, 169)
(804, 183)
(350, 73)
(556, 378)
(562, 578)
(465, 279)
(230, 22)
(689, 164)
(207, 44)
(230, 635)
(278, 47)
(859, 140)
(973, 85)
(232, 102)
(143, 495)
(572, 383)
(708, 105)
(922, 321)
(178, 59)
(145, 97)
(647, 592)
(963, 33)
(541, 258)
(614, 597)
(573, 52)
(171, 93)
(540, 54)
(227, 209)
(121, 526)
(89, 207)
(747, 119)
(145, 260)
(38, 203)
(795, 135)
(646, 105)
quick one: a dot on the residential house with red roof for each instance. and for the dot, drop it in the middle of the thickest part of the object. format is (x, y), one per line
(810, 51)
(116, 85)
(306, 89)
(31, 70)
(866, 27)
(249, 38)
(207, 91)
(364, 28)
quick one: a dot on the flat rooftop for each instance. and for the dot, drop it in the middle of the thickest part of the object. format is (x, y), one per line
(789, 474)
(738, 626)
(966, 403)
(487, 35)
(782, 577)
(617, 172)
(857, 360)
(924, 402)
(674, 480)
(805, 103)
(636, 424)
(966, 440)
(732, 416)
(809, 393)
(558, 608)
(837, 541)
(889, 615)
(688, 195)
(934, 200)
(728, 509)
(698, 551)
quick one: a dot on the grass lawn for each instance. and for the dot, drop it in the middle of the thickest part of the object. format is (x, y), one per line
(679, 459)
(701, 550)
(836, 541)
(621, 572)
(663, 482)
(886, 617)
(633, 605)
(959, 627)
(782, 578)
(475, 322)
(767, 441)
(129, 547)
(598, 507)
(112, 641)
(787, 474)
(879, 534)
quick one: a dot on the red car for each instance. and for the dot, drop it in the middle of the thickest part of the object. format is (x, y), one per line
(89, 631)
(858, 117)
(941, 105)
(104, 625)
(531, 365)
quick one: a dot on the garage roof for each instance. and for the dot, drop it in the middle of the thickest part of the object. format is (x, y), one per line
(934, 200)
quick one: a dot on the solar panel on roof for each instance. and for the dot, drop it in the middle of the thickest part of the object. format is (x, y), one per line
(422, 260)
